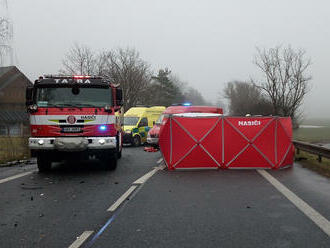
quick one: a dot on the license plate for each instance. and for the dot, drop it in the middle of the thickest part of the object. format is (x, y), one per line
(71, 129)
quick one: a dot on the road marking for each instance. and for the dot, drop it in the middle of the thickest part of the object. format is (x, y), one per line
(145, 178)
(311, 213)
(139, 184)
(81, 239)
(160, 160)
(141, 180)
(114, 206)
(15, 176)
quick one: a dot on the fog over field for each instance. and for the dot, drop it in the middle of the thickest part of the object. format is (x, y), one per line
(206, 43)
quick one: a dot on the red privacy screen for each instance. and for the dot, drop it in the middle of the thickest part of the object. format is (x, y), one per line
(216, 141)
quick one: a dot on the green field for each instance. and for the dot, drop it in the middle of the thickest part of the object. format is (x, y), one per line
(311, 134)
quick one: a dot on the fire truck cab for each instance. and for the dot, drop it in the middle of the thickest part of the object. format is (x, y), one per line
(74, 117)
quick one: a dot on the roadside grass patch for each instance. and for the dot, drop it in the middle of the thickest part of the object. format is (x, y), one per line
(13, 148)
(312, 135)
(311, 162)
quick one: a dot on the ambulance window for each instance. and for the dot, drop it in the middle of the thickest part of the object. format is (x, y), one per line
(160, 120)
(143, 122)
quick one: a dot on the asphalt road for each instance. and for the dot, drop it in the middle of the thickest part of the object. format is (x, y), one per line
(233, 208)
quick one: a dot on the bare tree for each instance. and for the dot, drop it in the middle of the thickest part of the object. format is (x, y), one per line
(194, 96)
(121, 66)
(80, 60)
(286, 78)
(220, 101)
(246, 98)
(125, 67)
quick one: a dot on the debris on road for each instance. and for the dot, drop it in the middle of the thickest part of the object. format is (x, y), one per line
(18, 162)
(150, 149)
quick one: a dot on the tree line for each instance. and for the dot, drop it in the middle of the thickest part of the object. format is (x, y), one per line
(141, 86)
(281, 90)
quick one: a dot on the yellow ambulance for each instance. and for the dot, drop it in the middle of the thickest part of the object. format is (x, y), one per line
(137, 123)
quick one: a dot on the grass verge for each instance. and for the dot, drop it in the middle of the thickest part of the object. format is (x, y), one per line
(313, 135)
(310, 161)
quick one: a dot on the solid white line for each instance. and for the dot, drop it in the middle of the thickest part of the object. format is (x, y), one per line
(145, 178)
(15, 176)
(81, 239)
(311, 213)
(160, 160)
(121, 199)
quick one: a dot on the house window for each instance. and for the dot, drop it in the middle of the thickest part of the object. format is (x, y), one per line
(15, 129)
(3, 130)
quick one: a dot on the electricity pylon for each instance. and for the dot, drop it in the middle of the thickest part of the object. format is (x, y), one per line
(6, 36)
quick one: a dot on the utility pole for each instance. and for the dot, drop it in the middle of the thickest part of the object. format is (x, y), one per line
(6, 36)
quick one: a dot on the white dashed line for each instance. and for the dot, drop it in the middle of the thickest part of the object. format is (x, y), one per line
(160, 160)
(121, 199)
(81, 239)
(311, 213)
(139, 181)
(145, 178)
(15, 176)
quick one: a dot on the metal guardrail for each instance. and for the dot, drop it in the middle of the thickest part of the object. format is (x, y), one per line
(311, 148)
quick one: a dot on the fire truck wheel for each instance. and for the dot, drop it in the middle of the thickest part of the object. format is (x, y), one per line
(110, 161)
(44, 164)
(136, 141)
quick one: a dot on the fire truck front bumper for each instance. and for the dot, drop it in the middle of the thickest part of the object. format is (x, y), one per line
(72, 143)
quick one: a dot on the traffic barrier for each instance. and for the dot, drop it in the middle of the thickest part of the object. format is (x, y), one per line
(214, 141)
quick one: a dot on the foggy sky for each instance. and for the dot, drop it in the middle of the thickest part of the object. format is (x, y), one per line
(206, 43)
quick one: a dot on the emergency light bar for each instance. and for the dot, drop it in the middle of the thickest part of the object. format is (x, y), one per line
(73, 76)
(182, 104)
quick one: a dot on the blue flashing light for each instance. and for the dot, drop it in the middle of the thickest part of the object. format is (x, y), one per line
(103, 128)
(187, 104)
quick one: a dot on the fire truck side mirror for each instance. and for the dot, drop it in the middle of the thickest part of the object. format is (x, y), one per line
(119, 97)
(29, 96)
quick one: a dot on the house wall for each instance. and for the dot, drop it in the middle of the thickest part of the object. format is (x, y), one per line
(14, 93)
(13, 142)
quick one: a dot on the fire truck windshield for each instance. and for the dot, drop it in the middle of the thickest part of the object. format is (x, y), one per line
(84, 97)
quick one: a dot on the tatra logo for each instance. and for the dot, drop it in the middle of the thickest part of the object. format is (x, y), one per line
(65, 81)
(71, 119)
(81, 81)
(61, 81)
(249, 123)
(88, 117)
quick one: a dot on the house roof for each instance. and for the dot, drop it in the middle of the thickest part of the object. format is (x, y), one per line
(10, 74)
(10, 116)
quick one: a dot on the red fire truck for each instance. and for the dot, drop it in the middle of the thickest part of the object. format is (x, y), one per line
(74, 117)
